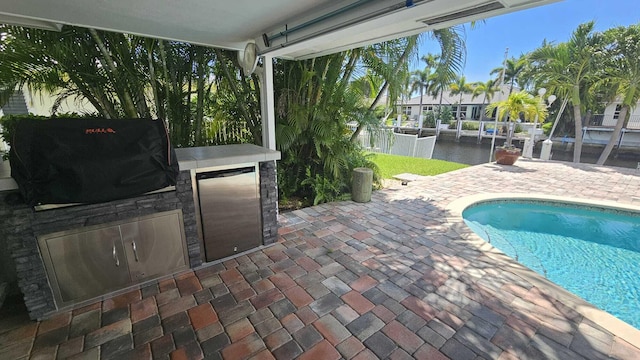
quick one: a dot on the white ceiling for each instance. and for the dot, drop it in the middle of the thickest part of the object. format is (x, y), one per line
(232, 24)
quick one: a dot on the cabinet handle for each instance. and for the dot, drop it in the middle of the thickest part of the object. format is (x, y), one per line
(135, 249)
(115, 255)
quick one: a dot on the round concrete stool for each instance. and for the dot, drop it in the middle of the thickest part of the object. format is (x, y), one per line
(362, 185)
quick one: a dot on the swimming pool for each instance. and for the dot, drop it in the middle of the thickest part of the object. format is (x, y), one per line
(593, 253)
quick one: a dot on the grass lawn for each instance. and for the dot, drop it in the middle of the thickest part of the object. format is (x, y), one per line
(394, 164)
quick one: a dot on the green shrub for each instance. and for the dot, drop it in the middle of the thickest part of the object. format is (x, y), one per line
(324, 188)
(429, 120)
(445, 115)
(362, 159)
(9, 122)
(327, 189)
(380, 111)
(546, 128)
(470, 125)
(517, 129)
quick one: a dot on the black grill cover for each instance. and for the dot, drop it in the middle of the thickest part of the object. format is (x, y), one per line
(63, 160)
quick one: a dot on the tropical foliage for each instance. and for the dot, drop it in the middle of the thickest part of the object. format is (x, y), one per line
(568, 70)
(314, 104)
(589, 71)
(460, 87)
(620, 76)
(317, 98)
(423, 81)
(513, 72)
(516, 105)
(126, 76)
(198, 90)
(488, 90)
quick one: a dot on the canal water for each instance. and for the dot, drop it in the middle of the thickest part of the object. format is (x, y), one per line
(474, 154)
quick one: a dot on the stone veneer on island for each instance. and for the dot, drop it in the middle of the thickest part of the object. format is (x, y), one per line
(20, 225)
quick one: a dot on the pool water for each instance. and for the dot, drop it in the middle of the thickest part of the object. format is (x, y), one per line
(593, 253)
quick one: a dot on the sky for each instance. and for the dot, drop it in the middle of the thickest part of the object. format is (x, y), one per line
(525, 30)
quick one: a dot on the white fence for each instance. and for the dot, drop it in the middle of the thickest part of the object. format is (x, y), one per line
(387, 142)
(226, 132)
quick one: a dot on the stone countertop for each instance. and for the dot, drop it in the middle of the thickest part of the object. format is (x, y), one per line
(188, 159)
(210, 156)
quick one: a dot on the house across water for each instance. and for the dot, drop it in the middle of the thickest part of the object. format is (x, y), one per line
(596, 131)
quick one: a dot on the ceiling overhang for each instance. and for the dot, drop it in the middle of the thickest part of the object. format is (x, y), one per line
(292, 29)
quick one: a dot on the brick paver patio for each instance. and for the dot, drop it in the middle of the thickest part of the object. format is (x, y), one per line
(394, 278)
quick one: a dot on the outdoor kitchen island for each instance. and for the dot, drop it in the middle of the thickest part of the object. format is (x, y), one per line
(34, 241)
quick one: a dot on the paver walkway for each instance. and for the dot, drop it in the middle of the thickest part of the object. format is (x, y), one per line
(387, 279)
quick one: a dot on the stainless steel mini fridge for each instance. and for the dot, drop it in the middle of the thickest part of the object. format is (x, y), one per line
(229, 211)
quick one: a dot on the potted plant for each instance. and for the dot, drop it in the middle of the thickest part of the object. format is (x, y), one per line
(516, 105)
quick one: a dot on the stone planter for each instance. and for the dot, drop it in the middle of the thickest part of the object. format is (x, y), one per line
(505, 156)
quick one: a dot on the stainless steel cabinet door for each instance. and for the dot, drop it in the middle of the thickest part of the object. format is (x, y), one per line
(231, 217)
(154, 245)
(86, 264)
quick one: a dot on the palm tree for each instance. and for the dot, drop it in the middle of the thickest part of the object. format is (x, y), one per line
(76, 63)
(422, 81)
(126, 76)
(314, 103)
(487, 89)
(512, 70)
(518, 103)
(460, 87)
(388, 61)
(451, 60)
(622, 75)
(567, 69)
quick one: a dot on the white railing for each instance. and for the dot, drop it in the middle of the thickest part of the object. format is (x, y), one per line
(226, 132)
(609, 121)
(387, 142)
(634, 122)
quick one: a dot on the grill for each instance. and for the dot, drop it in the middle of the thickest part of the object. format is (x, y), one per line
(60, 161)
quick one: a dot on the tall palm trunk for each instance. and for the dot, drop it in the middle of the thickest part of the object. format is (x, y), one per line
(420, 118)
(483, 106)
(167, 85)
(232, 84)
(96, 97)
(623, 118)
(509, 133)
(127, 102)
(401, 60)
(440, 105)
(577, 147)
(200, 96)
(350, 68)
(154, 81)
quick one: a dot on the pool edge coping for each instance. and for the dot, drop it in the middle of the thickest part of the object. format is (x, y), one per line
(602, 318)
